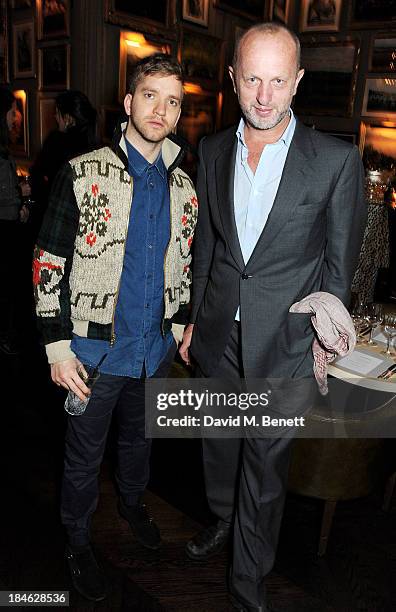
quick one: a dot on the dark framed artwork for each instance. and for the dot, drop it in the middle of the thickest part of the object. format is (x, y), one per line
(196, 11)
(53, 18)
(251, 9)
(109, 118)
(279, 10)
(152, 15)
(383, 53)
(329, 83)
(372, 13)
(202, 58)
(54, 67)
(4, 78)
(47, 121)
(320, 15)
(380, 98)
(377, 145)
(24, 49)
(134, 46)
(201, 111)
(19, 133)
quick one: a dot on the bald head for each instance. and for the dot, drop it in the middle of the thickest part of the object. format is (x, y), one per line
(269, 28)
(265, 75)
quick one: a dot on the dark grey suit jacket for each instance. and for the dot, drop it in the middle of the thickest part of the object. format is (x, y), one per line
(311, 242)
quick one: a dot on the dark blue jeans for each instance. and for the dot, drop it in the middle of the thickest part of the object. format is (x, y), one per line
(85, 445)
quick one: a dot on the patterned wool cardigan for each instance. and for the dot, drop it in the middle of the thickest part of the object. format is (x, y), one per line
(79, 254)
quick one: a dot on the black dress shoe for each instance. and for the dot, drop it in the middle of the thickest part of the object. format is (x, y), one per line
(142, 525)
(238, 605)
(87, 577)
(208, 542)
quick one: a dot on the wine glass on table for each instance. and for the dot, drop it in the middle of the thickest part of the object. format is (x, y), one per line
(358, 316)
(374, 317)
(390, 332)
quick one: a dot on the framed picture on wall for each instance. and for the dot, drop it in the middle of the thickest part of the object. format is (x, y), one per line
(329, 83)
(200, 116)
(19, 133)
(383, 53)
(152, 15)
(380, 98)
(23, 50)
(47, 121)
(377, 145)
(134, 46)
(279, 10)
(251, 9)
(320, 15)
(53, 18)
(196, 11)
(54, 67)
(372, 13)
(3, 42)
(202, 57)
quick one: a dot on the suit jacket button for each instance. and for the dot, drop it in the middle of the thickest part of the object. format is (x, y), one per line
(245, 276)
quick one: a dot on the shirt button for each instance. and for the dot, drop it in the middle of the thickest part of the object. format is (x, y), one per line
(151, 216)
(146, 305)
(150, 246)
(151, 185)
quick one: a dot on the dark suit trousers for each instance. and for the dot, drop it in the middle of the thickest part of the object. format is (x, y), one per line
(246, 484)
(85, 445)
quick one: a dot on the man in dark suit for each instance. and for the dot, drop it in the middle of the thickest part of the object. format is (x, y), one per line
(281, 216)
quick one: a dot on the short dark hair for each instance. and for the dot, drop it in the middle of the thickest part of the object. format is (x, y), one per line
(268, 27)
(76, 104)
(159, 63)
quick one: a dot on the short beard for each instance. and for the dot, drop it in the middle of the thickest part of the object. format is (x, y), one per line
(264, 124)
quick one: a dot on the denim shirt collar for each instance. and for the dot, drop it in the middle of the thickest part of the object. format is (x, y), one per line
(138, 164)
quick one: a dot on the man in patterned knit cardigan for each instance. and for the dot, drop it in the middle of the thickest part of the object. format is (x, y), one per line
(111, 272)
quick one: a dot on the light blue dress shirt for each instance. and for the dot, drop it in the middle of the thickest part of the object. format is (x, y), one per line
(254, 193)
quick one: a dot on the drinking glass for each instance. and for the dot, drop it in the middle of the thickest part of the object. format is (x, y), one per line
(73, 404)
(358, 316)
(390, 332)
(374, 317)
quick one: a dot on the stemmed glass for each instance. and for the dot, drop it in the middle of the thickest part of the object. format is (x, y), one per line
(358, 316)
(390, 332)
(374, 317)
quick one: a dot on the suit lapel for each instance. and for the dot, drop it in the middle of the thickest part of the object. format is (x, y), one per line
(225, 171)
(292, 188)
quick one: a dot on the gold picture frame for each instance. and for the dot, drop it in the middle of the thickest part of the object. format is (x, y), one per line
(23, 39)
(134, 46)
(19, 133)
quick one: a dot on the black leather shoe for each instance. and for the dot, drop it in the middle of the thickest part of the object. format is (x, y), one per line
(238, 605)
(87, 577)
(142, 525)
(208, 542)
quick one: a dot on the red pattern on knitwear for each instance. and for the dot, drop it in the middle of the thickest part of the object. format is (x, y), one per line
(38, 266)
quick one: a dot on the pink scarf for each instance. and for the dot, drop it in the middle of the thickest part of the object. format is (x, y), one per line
(334, 328)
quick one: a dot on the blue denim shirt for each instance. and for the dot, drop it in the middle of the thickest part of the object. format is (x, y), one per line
(140, 304)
